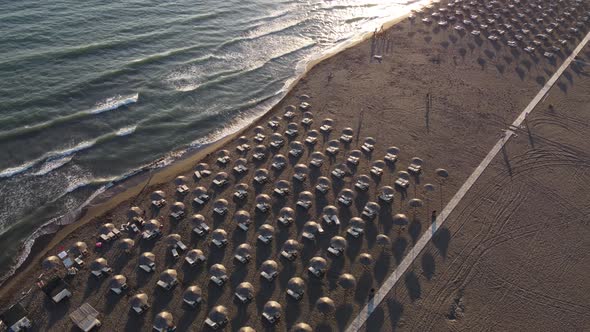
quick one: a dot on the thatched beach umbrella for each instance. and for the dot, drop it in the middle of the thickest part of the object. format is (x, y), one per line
(219, 234)
(318, 263)
(429, 187)
(365, 259)
(180, 180)
(118, 281)
(147, 258)
(270, 267)
(442, 173)
(242, 217)
(279, 161)
(333, 147)
(51, 263)
(218, 314)
(272, 308)
(266, 230)
(346, 197)
(291, 246)
(163, 321)
(152, 225)
(218, 270)
(158, 195)
(194, 254)
(177, 207)
(415, 203)
(98, 264)
(79, 248)
(301, 327)
(296, 285)
(338, 242)
(126, 244)
(139, 300)
(134, 211)
(246, 329)
(169, 276)
(173, 239)
(324, 184)
(347, 281)
(106, 228)
(202, 167)
(245, 290)
(192, 294)
(197, 218)
(325, 305)
(383, 241)
(301, 172)
(244, 250)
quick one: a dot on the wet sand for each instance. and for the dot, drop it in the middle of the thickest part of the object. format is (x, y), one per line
(475, 88)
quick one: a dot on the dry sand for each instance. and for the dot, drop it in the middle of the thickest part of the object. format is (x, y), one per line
(476, 89)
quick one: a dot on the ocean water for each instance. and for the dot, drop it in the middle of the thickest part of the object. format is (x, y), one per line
(93, 91)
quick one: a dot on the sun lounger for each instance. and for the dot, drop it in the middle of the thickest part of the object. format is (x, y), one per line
(304, 204)
(243, 299)
(325, 128)
(220, 183)
(182, 189)
(402, 183)
(271, 319)
(376, 171)
(258, 156)
(291, 132)
(220, 210)
(286, 221)
(219, 281)
(281, 192)
(142, 309)
(261, 179)
(269, 277)
(273, 124)
(243, 148)
(296, 152)
(414, 168)
(322, 188)
(362, 186)
(193, 303)
(386, 197)
(353, 160)
(241, 194)
(355, 232)
(311, 140)
(315, 272)
(338, 173)
(367, 147)
(175, 253)
(240, 169)
(262, 207)
(299, 177)
(215, 326)
(345, 201)
(278, 166)
(148, 268)
(334, 251)
(192, 262)
(308, 235)
(307, 121)
(159, 203)
(291, 256)
(79, 261)
(177, 215)
(243, 227)
(242, 259)
(218, 243)
(332, 150)
(295, 296)
(316, 162)
(201, 199)
(264, 239)
(277, 144)
(259, 137)
(223, 160)
(346, 138)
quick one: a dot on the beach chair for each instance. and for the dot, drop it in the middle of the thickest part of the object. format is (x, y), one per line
(219, 281)
(299, 177)
(311, 140)
(332, 150)
(290, 256)
(294, 295)
(361, 185)
(182, 189)
(376, 171)
(242, 259)
(278, 165)
(218, 243)
(291, 132)
(322, 188)
(355, 231)
(296, 153)
(390, 158)
(264, 239)
(335, 251)
(201, 199)
(304, 204)
(274, 125)
(220, 210)
(338, 173)
(269, 277)
(307, 122)
(259, 137)
(353, 160)
(240, 169)
(315, 272)
(243, 299)
(263, 207)
(286, 221)
(346, 138)
(271, 319)
(402, 183)
(367, 147)
(243, 148)
(261, 179)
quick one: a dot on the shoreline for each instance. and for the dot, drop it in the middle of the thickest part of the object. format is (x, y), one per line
(121, 192)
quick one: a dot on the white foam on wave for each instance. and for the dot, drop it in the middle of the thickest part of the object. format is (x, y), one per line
(126, 131)
(56, 159)
(114, 103)
(51, 165)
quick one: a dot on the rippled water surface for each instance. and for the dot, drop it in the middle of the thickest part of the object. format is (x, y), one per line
(92, 91)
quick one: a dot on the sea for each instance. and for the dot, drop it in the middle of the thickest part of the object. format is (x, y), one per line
(93, 92)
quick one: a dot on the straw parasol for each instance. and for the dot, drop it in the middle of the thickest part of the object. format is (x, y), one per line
(325, 305)
(242, 216)
(51, 262)
(291, 245)
(246, 329)
(266, 230)
(269, 266)
(180, 180)
(168, 276)
(152, 225)
(118, 281)
(338, 242)
(126, 244)
(347, 281)
(365, 259)
(173, 239)
(243, 249)
(139, 300)
(79, 248)
(158, 194)
(98, 264)
(198, 218)
(178, 206)
(296, 284)
(163, 321)
(147, 258)
(400, 219)
(218, 270)
(218, 314)
(219, 235)
(192, 294)
(106, 228)
(318, 263)
(287, 212)
(245, 289)
(272, 308)
(134, 211)
(383, 241)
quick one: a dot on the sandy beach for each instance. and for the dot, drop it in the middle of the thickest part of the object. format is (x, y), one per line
(432, 91)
